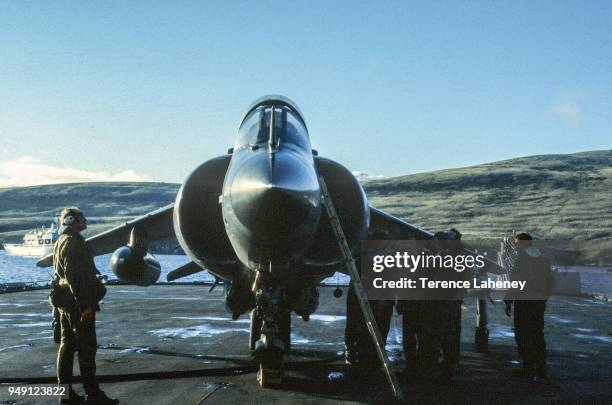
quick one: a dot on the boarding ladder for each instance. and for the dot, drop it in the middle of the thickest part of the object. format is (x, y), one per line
(368, 315)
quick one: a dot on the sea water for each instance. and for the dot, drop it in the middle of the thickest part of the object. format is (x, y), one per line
(14, 269)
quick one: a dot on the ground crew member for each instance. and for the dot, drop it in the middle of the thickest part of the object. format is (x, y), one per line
(433, 314)
(358, 344)
(529, 306)
(410, 310)
(451, 337)
(75, 273)
(432, 325)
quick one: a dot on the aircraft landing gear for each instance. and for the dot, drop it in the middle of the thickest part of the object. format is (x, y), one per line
(270, 331)
(284, 330)
(255, 334)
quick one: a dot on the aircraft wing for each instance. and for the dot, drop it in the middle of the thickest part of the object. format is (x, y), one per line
(184, 271)
(157, 225)
(400, 229)
(395, 227)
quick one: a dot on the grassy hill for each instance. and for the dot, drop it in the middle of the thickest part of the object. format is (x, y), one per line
(105, 204)
(553, 196)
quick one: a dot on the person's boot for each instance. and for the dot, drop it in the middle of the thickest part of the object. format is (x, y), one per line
(526, 371)
(540, 371)
(73, 398)
(351, 357)
(57, 331)
(447, 374)
(100, 398)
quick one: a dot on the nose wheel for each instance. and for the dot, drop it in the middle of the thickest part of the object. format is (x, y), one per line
(270, 333)
(255, 334)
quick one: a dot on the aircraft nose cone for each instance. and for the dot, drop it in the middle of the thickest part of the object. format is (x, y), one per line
(274, 202)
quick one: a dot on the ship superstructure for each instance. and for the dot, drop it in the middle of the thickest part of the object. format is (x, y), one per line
(36, 243)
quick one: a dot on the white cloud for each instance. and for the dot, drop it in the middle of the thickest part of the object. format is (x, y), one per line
(361, 176)
(30, 171)
(569, 111)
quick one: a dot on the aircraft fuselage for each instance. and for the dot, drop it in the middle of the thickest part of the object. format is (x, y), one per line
(271, 201)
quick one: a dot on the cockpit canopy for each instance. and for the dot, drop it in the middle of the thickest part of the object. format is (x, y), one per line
(288, 127)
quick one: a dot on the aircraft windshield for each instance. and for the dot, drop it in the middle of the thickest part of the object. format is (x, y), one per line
(288, 128)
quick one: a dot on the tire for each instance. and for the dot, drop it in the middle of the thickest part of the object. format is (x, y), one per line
(255, 333)
(285, 330)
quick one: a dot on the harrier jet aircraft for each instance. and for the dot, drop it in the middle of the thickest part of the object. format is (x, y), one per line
(254, 219)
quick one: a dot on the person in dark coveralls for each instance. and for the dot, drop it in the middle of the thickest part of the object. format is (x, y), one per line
(358, 345)
(432, 325)
(529, 306)
(75, 271)
(451, 335)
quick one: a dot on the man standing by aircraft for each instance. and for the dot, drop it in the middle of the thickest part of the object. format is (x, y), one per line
(358, 345)
(432, 325)
(529, 306)
(77, 294)
(451, 338)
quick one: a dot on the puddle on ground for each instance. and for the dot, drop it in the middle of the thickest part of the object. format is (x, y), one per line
(297, 339)
(219, 385)
(335, 376)
(25, 325)
(129, 291)
(395, 355)
(136, 349)
(560, 319)
(497, 330)
(394, 347)
(606, 339)
(38, 338)
(22, 346)
(175, 298)
(300, 340)
(327, 318)
(204, 330)
(594, 302)
(212, 318)
(27, 315)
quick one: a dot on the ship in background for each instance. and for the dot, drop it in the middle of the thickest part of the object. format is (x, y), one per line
(36, 243)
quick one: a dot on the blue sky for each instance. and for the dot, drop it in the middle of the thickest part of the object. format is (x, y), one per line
(148, 90)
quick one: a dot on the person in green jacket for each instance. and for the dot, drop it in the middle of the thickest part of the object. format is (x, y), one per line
(75, 273)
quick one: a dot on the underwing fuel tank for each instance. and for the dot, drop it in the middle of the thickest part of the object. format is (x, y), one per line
(135, 267)
(133, 264)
